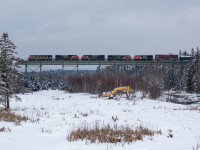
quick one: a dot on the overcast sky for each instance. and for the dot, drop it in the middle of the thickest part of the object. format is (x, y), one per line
(101, 26)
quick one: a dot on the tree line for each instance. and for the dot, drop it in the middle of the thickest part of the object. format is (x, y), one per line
(151, 80)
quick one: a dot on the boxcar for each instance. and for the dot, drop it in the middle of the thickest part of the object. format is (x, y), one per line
(40, 57)
(170, 57)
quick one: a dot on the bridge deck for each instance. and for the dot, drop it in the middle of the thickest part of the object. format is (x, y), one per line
(103, 62)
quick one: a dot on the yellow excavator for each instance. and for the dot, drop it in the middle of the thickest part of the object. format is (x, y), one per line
(113, 93)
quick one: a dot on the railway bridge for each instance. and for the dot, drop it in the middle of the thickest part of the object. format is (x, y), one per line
(76, 63)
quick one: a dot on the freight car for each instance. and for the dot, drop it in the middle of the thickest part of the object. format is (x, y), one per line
(119, 57)
(143, 57)
(66, 57)
(93, 57)
(170, 57)
(40, 57)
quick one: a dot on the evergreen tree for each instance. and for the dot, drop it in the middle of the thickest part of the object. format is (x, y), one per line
(8, 70)
(192, 76)
(196, 78)
(180, 74)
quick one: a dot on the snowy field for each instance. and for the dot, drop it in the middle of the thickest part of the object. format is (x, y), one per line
(53, 114)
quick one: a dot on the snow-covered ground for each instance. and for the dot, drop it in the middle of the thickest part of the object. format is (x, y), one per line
(53, 114)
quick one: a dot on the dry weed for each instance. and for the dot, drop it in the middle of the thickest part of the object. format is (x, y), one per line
(84, 114)
(115, 118)
(35, 120)
(48, 131)
(109, 134)
(3, 129)
(192, 108)
(170, 134)
(7, 115)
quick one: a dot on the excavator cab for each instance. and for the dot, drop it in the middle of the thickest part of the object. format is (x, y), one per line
(108, 94)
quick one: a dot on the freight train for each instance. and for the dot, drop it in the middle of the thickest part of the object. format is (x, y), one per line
(158, 57)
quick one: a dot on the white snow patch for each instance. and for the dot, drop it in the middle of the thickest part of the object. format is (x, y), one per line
(60, 112)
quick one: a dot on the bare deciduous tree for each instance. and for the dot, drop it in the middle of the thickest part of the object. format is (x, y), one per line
(154, 81)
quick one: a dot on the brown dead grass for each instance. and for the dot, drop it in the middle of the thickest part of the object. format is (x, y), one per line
(108, 134)
(7, 115)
